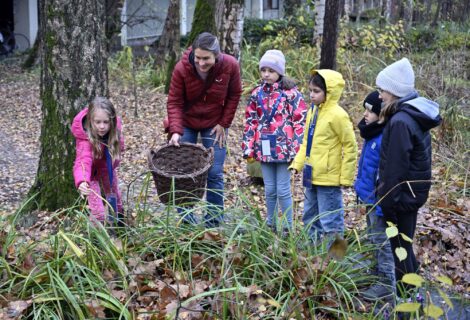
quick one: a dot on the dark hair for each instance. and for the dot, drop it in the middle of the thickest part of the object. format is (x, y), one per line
(318, 81)
(207, 41)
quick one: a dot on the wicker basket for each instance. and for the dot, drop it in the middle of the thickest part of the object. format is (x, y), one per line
(188, 165)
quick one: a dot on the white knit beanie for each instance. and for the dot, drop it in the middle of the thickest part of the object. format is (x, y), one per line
(398, 78)
(275, 60)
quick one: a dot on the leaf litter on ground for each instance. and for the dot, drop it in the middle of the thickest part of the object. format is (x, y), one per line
(442, 237)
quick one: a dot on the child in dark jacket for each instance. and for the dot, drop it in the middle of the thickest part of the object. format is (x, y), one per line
(405, 156)
(365, 186)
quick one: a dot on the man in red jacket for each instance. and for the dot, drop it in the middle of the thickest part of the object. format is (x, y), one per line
(205, 90)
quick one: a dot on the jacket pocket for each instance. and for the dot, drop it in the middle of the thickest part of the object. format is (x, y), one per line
(319, 161)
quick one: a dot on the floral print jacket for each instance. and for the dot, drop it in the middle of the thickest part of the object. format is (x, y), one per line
(283, 127)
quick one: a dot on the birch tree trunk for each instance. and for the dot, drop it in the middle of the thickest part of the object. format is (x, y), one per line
(330, 35)
(231, 31)
(347, 9)
(74, 70)
(388, 10)
(360, 9)
(319, 18)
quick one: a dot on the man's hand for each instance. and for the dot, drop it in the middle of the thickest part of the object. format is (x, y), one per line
(219, 135)
(175, 140)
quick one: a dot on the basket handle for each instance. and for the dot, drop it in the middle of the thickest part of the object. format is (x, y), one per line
(211, 154)
(150, 155)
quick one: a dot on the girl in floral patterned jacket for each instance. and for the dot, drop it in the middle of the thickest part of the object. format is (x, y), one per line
(274, 125)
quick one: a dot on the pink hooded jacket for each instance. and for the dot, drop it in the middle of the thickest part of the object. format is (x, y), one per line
(85, 166)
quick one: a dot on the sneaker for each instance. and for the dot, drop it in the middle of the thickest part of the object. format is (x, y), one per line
(377, 291)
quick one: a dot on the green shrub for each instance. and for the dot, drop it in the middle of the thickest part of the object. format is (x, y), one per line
(296, 27)
(387, 39)
(447, 35)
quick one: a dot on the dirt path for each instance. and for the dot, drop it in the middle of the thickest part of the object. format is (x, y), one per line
(17, 171)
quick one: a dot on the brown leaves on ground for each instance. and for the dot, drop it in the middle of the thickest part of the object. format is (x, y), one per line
(442, 236)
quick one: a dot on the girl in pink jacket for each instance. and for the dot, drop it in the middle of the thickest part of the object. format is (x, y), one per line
(99, 144)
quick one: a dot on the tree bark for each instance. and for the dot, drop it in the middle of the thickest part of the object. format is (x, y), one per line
(436, 15)
(231, 30)
(204, 19)
(319, 18)
(388, 10)
(113, 24)
(347, 9)
(408, 14)
(360, 9)
(330, 35)
(169, 42)
(74, 70)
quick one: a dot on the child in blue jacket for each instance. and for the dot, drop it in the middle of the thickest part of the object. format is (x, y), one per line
(365, 186)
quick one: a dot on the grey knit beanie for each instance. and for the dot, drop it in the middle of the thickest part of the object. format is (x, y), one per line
(275, 60)
(398, 78)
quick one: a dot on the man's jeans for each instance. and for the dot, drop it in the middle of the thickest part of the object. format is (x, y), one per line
(376, 226)
(215, 178)
(276, 178)
(323, 212)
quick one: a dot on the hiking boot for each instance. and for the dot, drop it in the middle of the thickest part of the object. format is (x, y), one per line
(377, 291)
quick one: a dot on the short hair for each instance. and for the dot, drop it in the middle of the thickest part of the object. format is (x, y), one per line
(207, 41)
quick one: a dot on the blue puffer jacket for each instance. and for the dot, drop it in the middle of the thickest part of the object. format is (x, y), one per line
(368, 168)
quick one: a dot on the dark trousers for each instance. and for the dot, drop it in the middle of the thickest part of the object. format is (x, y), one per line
(406, 224)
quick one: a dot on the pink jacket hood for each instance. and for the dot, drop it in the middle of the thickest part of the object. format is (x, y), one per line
(85, 165)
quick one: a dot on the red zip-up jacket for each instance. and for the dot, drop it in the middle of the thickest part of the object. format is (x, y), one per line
(219, 103)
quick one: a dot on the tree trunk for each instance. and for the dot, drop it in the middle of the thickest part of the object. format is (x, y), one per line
(427, 10)
(446, 9)
(231, 31)
(436, 15)
(347, 9)
(408, 14)
(319, 18)
(204, 19)
(169, 42)
(113, 24)
(330, 35)
(360, 8)
(388, 10)
(33, 54)
(74, 70)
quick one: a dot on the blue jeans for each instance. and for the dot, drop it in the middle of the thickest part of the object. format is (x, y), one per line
(376, 226)
(215, 177)
(276, 178)
(323, 211)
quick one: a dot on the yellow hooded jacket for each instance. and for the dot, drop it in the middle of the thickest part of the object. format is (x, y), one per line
(334, 148)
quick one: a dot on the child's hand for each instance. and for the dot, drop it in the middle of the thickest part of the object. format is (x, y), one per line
(294, 171)
(84, 189)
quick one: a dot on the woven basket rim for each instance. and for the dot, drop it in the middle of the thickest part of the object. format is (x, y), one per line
(182, 144)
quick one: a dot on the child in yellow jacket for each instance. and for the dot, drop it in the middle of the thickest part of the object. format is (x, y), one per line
(327, 156)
